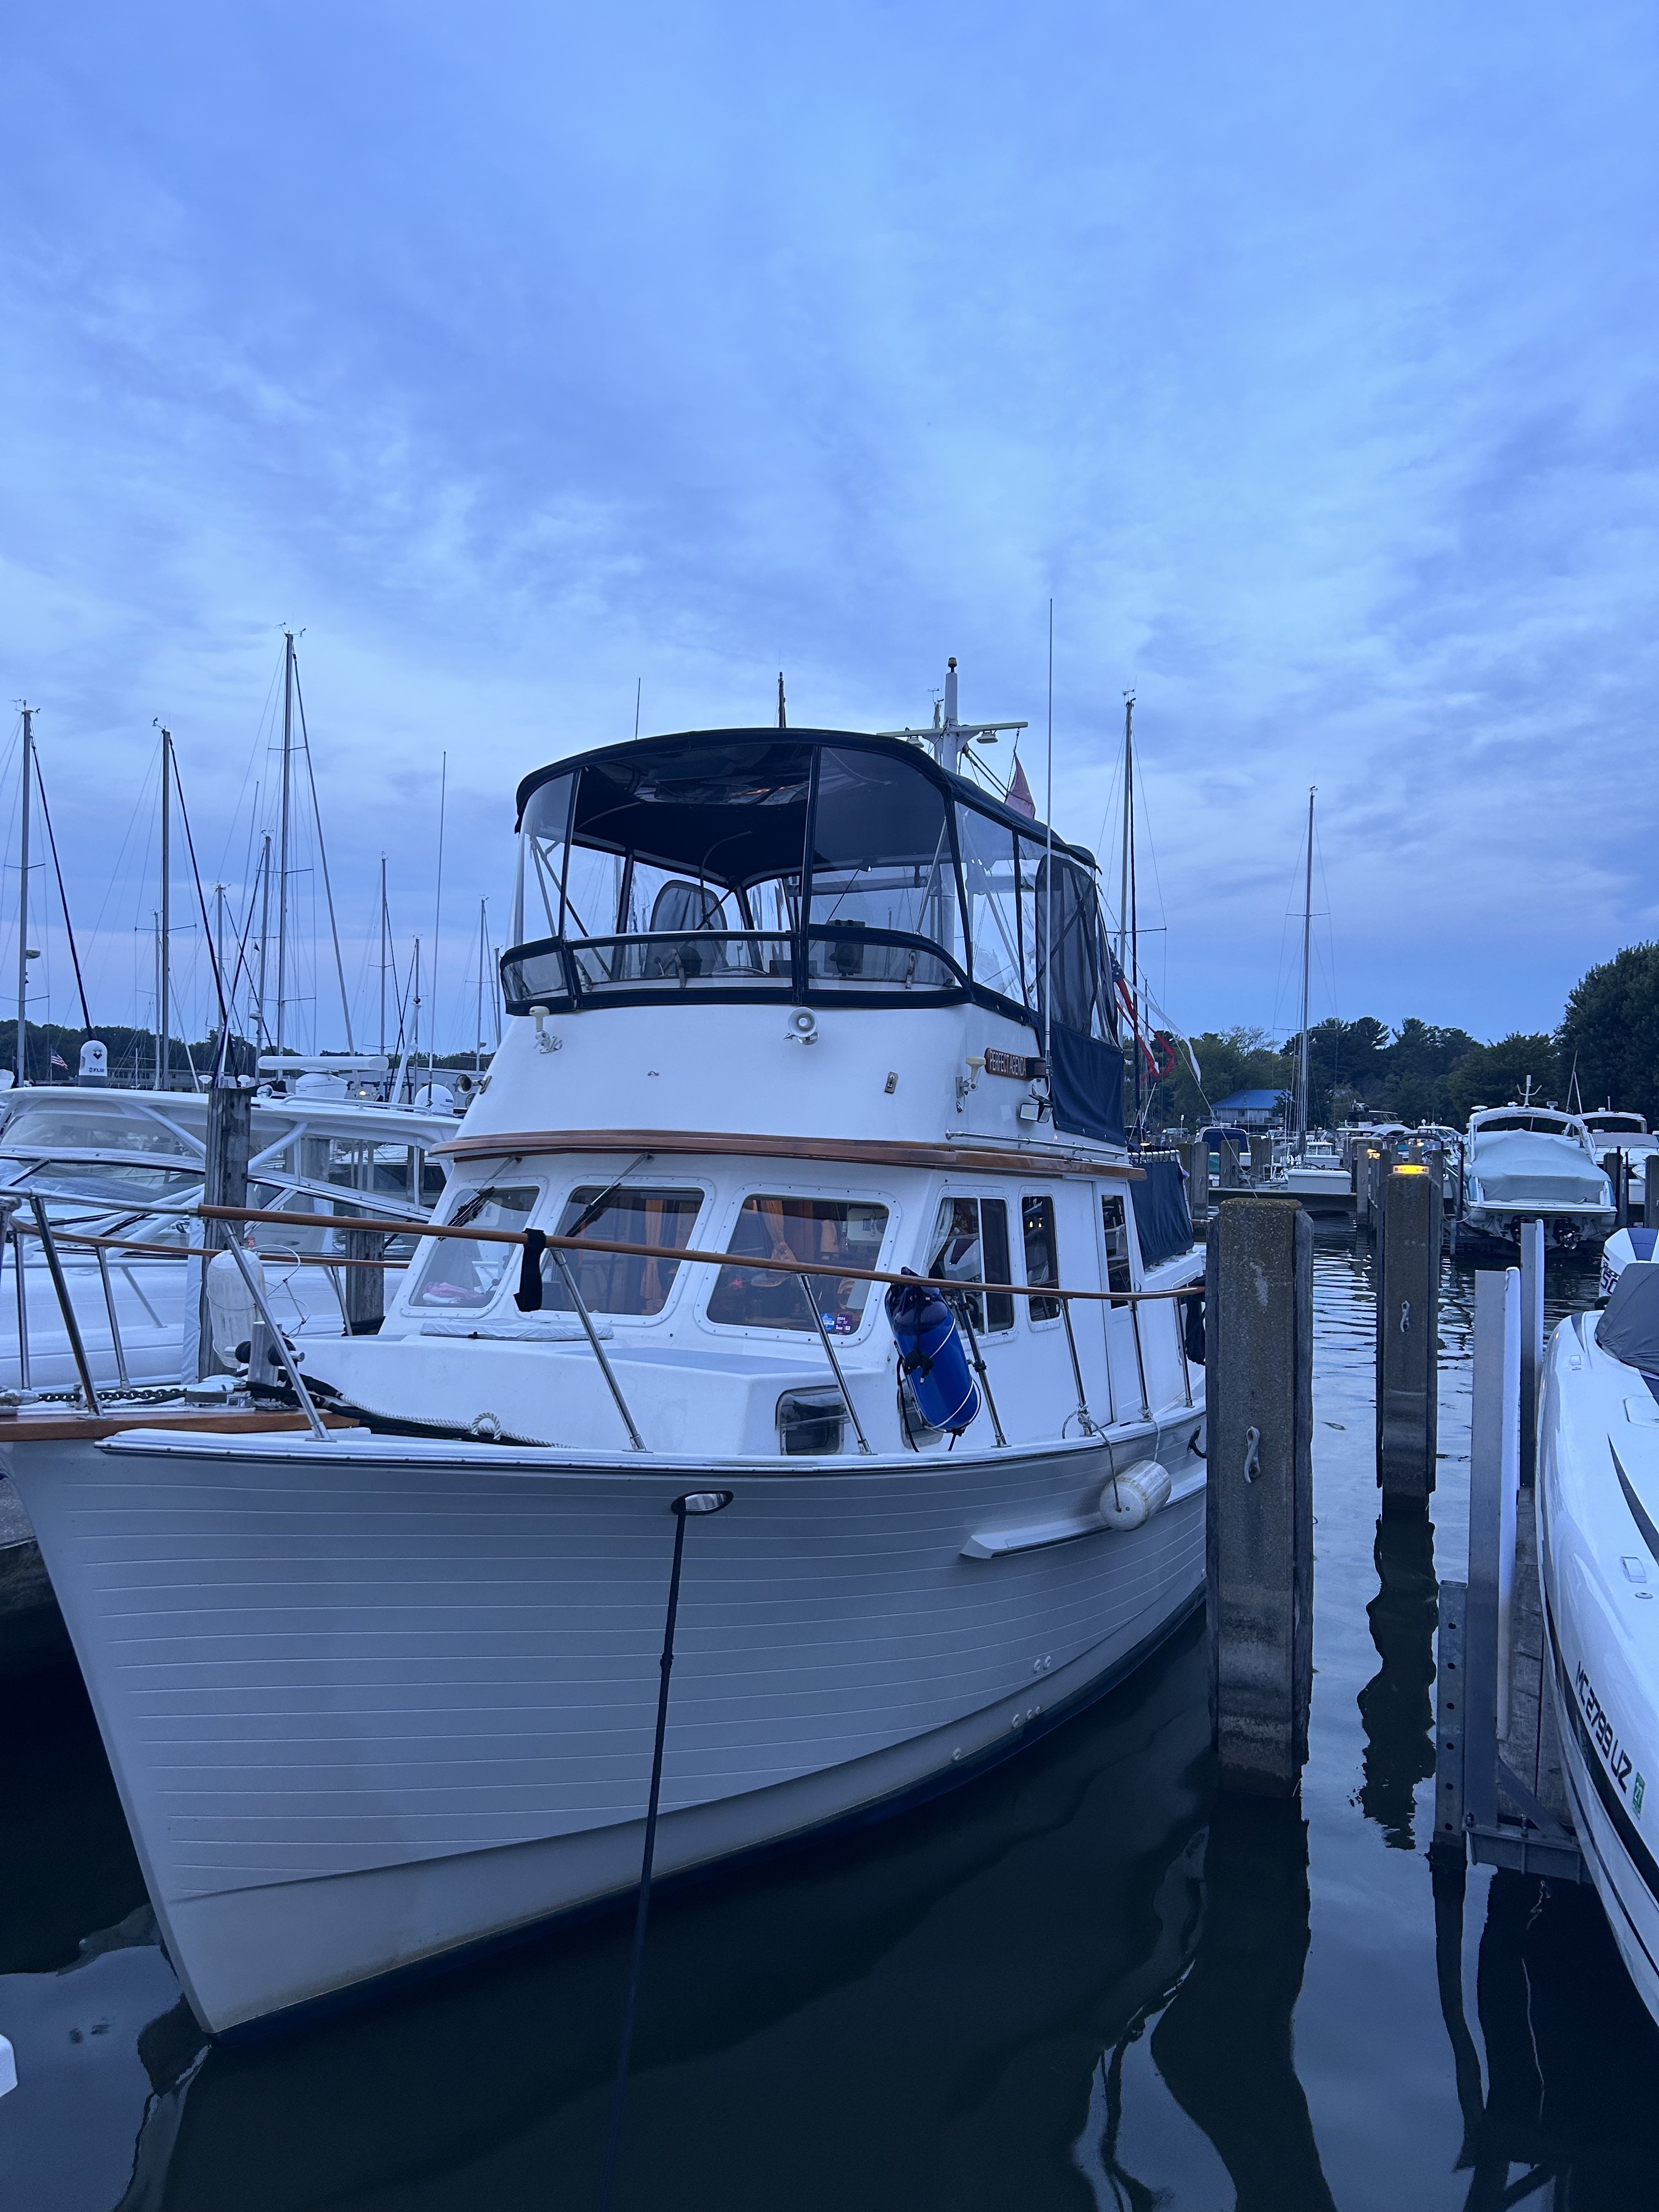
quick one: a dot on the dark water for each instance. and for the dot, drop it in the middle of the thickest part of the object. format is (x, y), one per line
(1079, 1983)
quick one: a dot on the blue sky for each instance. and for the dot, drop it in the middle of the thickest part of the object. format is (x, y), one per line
(1304, 356)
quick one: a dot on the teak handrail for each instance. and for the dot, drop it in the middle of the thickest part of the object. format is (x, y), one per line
(788, 1265)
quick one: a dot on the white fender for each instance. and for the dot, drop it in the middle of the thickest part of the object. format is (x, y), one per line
(1132, 1498)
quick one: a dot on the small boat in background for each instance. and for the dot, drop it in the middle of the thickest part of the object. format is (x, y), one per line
(1614, 1133)
(131, 1163)
(1526, 1163)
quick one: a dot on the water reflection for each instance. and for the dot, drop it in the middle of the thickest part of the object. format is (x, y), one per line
(915, 2017)
(1225, 2045)
(1572, 2057)
(1395, 1706)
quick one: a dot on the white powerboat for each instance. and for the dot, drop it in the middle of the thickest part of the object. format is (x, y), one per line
(798, 1000)
(1313, 1170)
(128, 1165)
(1628, 1134)
(1598, 1545)
(1534, 1163)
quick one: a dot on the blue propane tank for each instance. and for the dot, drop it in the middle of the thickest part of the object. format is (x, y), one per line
(932, 1358)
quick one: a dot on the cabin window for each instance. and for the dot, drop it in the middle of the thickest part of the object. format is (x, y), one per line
(1116, 1228)
(772, 1239)
(457, 1275)
(970, 1245)
(614, 1282)
(1042, 1265)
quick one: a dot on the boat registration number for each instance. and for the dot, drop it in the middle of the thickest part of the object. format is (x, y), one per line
(1615, 1757)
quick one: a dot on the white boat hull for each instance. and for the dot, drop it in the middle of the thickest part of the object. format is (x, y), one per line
(1598, 1450)
(374, 1702)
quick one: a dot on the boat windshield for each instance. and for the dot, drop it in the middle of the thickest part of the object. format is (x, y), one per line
(113, 1182)
(459, 1274)
(619, 1282)
(1616, 1125)
(746, 866)
(52, 1129)
(1537, 1124)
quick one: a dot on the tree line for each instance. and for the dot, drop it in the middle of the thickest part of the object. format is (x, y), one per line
(1604, 1052)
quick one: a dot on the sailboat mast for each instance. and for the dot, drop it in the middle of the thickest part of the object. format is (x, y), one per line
(1307, 969)
(264, 931)
(282, 837)
(23, 899)
(165, 923)
(383, 927)
(478, 1055)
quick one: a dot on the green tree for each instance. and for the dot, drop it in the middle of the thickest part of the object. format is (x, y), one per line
(1492, 1074)
(1417, 1069)
(1237, 1058)
(1611, 1032)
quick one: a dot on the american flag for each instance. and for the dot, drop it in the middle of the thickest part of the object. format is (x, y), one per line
(57, 1062)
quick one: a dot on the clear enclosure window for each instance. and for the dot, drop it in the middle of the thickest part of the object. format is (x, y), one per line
(611, 1282)
(990, 887)
(1041, 1265)
(970, 1245)
(773, 1236)
(1118, 1277)
(541, 861)
(881, 855)
(461, 1276)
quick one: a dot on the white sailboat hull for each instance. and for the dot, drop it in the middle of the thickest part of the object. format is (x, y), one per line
(373, 1702)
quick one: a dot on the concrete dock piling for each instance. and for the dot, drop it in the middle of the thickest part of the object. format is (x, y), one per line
(1259, 1382)
(1407, 1336)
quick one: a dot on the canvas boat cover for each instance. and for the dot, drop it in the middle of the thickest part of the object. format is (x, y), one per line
(1629, 1326)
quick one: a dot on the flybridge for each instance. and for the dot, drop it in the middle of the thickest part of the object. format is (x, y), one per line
(743, 863)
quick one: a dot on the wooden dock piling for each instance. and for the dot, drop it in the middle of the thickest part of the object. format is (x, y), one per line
(224, 1182)
(1231, 1178)
(1198, 1182)
(1407, 1336)
(1259, 1381)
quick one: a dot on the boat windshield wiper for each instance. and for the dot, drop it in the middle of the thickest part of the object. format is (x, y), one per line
(591, 1212)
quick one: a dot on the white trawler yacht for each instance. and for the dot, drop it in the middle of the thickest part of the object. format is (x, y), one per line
(123, 1163)
(1527, 1163)
(810, 1008)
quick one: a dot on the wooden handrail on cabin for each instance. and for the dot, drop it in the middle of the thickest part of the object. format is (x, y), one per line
(693, 1256)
